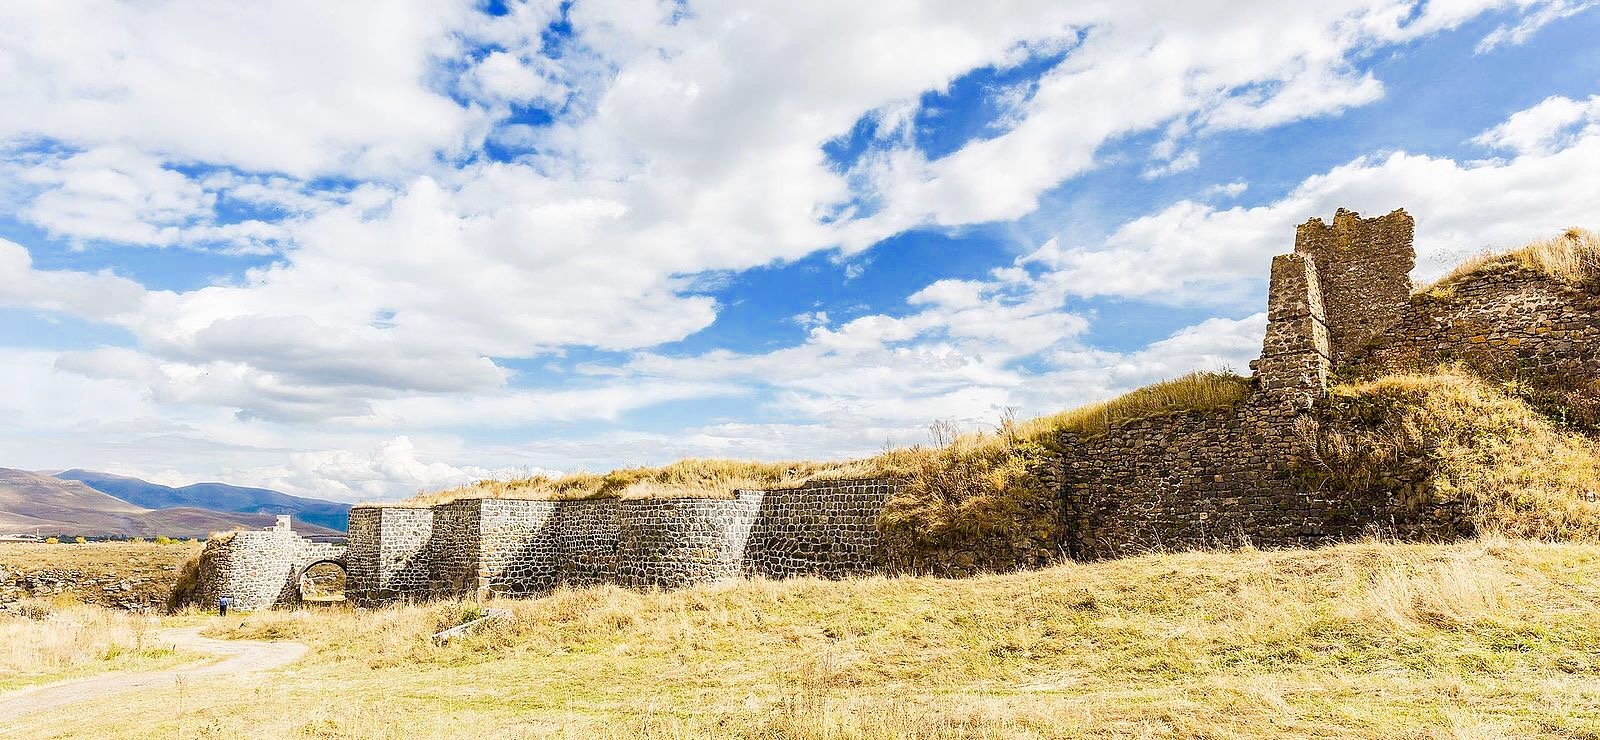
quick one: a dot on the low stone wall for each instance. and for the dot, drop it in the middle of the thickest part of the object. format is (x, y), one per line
(513, 547)
(259, 569)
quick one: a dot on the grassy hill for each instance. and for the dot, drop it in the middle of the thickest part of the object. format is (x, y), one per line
(1492, 638)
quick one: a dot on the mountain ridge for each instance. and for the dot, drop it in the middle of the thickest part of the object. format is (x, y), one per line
(222, 497)
(46, 505)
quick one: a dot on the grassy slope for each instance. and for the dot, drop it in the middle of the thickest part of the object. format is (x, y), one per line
(1479, 639)
(1466, 440)
(1571, 257)
(1199, 391)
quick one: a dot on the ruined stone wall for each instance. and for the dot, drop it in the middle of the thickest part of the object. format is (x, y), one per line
(1509, 323)
(1296, 357)
(1340, 304)
(1364, 266)
(259, 569)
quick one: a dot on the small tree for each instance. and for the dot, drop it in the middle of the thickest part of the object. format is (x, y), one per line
(53, 541)
(79, 540)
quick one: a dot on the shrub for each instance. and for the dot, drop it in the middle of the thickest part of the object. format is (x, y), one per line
(187, 590)
(79, 540)
(52, 541)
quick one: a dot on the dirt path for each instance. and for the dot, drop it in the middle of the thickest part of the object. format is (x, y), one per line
(242, 657)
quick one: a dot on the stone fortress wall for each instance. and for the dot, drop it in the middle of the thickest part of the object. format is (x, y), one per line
(1340, 305)
(257, 569)
(514, 547)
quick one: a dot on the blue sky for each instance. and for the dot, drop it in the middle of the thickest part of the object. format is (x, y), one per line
(358, 250)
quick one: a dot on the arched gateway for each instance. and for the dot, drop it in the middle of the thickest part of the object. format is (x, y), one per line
(259, 569)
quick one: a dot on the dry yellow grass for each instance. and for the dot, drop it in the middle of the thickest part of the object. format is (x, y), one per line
(713, 478)
(1571, 257)
(97, 571)
(43, 640)
(1471, 441)
(1493, 638)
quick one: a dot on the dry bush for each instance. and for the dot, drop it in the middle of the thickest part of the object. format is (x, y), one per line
(187, 590)
(1572, 257)
(1460, 440)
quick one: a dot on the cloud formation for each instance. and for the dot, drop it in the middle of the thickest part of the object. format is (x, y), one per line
(427, 202)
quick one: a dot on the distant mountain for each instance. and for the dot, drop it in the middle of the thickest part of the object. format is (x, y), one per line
(214, 496)
(34, 503)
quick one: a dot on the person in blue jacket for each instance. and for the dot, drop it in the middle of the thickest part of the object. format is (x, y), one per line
(222, 605)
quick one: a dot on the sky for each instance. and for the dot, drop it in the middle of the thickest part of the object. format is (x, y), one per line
(359, 250)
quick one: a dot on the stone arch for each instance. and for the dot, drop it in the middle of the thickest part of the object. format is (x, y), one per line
(261, 569)
(323, 581)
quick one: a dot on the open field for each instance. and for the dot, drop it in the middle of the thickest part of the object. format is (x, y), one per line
(123, 574)
(1474, 640)
(47, 640)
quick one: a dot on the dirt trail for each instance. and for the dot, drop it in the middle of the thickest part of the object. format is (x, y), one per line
(242, 657)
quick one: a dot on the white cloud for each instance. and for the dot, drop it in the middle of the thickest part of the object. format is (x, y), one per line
(98, 295)
(1545, 128)
(342, 475)
(690, 141)
(1228, 190)
(1191, 251)
(1526, 26)
(300, 86)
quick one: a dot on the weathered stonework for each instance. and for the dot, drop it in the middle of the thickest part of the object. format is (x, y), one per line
(1364, 267)
(1506, 324)
(511, 547)
(257, 569)
(1339, 305)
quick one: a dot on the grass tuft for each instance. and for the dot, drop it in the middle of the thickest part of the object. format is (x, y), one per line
(1572, 257)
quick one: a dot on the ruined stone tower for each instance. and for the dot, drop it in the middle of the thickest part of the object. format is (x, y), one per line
(1342, 287)
(1364, 267)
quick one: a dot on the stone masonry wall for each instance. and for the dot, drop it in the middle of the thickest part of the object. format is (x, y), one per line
(259, 569)
(827, 529)
(1196, 480)
(1506, 324)
(1364, 266)
(508, 547)
(389, 554)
